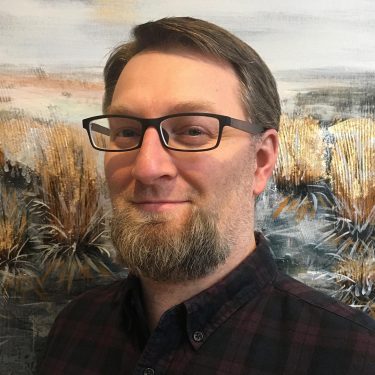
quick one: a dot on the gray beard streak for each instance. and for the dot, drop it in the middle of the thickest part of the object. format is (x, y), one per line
(149, 247)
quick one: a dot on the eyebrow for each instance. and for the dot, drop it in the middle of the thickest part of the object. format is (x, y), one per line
(187, 106)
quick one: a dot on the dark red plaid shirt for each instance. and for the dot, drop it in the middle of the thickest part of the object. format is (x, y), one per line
(255, 321)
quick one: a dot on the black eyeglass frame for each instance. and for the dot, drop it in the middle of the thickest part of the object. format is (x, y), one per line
(243, 125)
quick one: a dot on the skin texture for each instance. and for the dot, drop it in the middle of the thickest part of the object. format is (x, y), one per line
(168, 184)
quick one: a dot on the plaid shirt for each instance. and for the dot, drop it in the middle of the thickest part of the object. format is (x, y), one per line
(255, 321)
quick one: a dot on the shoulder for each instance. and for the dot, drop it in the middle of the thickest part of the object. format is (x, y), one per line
(100, 294)
(90, 322)
(94, 304)
(319, 306)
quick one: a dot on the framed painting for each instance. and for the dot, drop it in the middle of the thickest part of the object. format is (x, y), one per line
(318, 211)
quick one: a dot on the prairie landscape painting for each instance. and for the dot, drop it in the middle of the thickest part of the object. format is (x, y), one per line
(318, 211)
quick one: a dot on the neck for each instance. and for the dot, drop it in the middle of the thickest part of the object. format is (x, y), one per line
(159, 297)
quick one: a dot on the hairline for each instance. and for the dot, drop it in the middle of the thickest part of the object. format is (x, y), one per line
(178, 47)
(257, 86)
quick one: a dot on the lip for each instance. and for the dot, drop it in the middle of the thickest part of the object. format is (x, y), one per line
(159, 205)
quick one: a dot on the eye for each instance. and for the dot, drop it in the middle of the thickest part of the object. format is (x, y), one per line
(192, 135)
(127, 133)
(193, 131)
(124, 128)
(190, 129)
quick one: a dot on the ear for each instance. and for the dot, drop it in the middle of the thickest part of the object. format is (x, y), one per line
(265, 158)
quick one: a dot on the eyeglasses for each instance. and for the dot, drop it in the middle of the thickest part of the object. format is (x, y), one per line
(189, 132)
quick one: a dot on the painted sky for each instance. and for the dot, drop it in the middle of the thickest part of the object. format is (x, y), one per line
(289, 34)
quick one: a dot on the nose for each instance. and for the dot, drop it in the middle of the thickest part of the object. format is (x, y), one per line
(153, 162)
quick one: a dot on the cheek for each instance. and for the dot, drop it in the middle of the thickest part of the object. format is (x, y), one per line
(237, 185)
(117, 171)
(200, 174)
(215, 174)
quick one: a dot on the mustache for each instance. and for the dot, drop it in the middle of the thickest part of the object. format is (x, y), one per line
(159, 192)
(151, 196)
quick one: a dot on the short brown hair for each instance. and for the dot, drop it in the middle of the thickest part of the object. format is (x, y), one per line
(258, 87)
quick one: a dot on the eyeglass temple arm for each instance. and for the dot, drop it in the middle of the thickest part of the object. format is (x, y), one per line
(246, 126)
(100, 129)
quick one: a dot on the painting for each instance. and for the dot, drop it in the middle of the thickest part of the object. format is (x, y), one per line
(318, 211)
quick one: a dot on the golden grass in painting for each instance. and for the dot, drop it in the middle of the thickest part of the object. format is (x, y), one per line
(17, 145)
(356, 278)
(2, 160)
(300, 164)
(68, 177)
(13, 223)
(14, 135)
(70, 221)
(16, 270)
(353, 169)
(301, 153)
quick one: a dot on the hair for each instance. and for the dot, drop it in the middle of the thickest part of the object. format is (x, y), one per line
(258, 87)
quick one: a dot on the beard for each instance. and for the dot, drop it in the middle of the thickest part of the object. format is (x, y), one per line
(150, 245)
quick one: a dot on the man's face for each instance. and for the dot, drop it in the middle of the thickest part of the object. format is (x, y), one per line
(160, 194)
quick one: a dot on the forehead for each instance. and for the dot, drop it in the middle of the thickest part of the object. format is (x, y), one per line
(161, 80)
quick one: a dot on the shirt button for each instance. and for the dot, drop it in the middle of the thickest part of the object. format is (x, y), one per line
(148, 371)
(198, 336)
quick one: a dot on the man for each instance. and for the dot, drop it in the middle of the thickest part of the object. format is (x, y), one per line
(190, 134)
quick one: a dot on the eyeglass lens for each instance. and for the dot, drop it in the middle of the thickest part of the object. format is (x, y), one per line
(181, 132)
